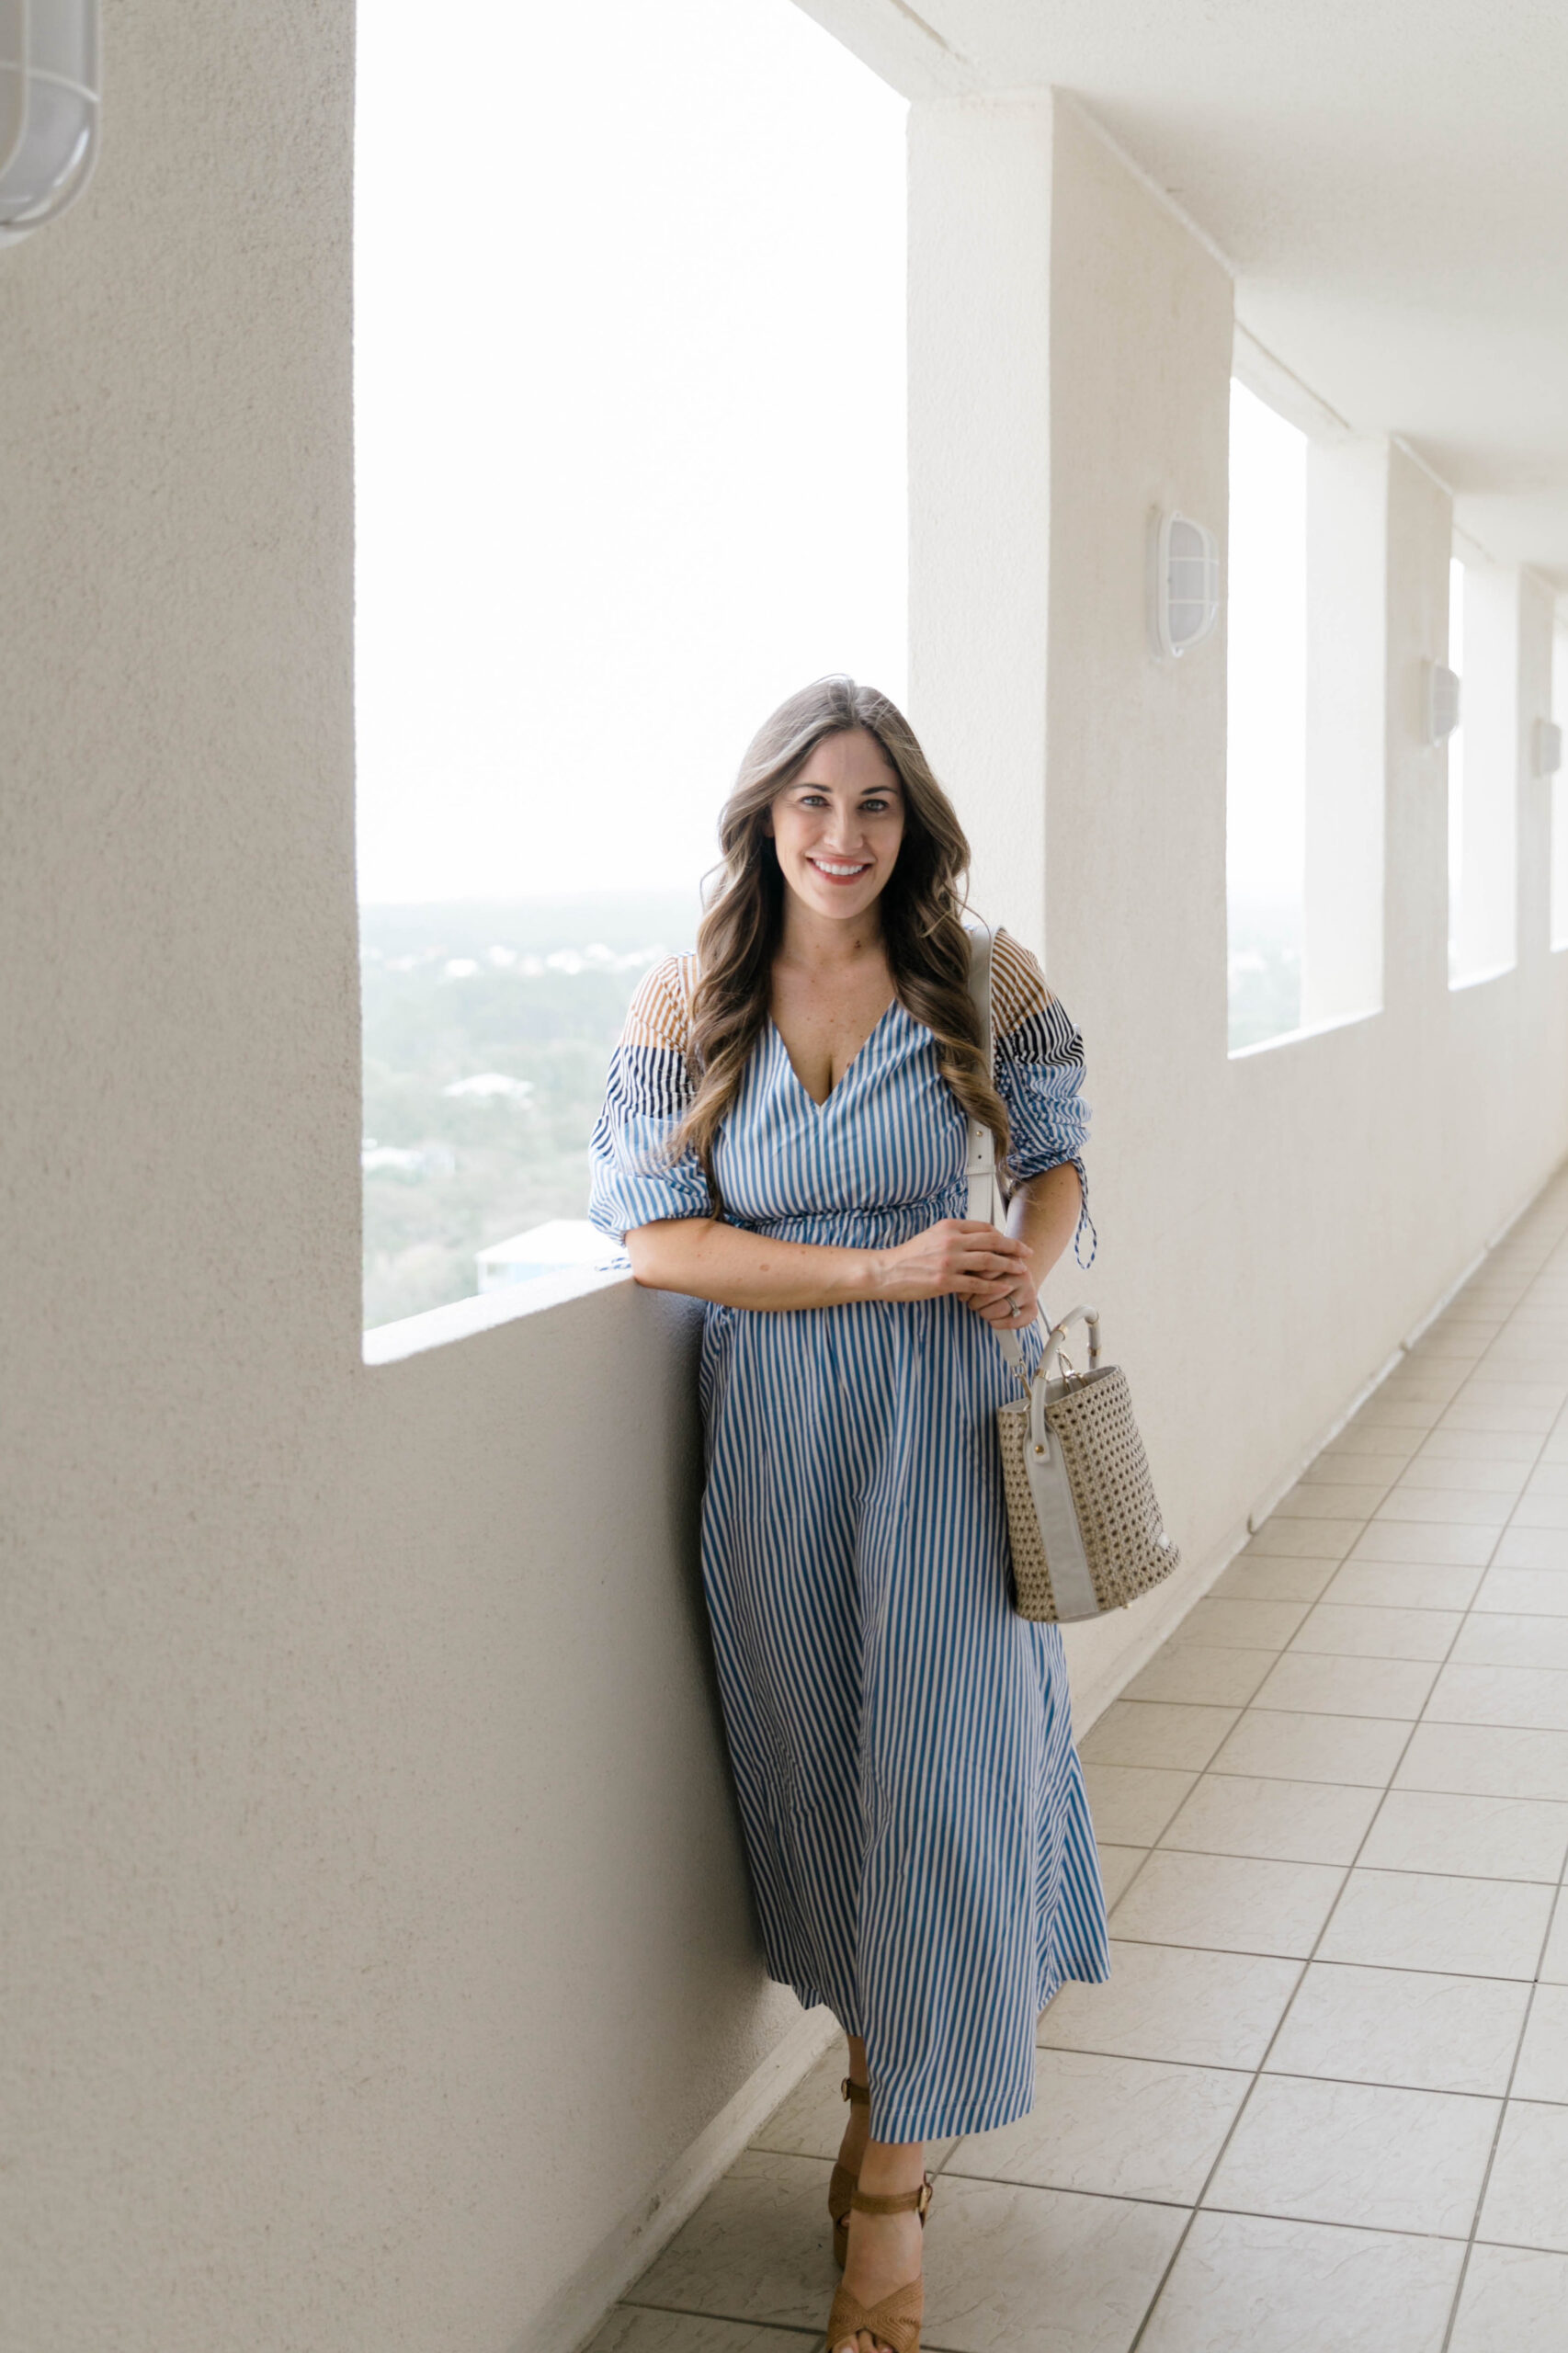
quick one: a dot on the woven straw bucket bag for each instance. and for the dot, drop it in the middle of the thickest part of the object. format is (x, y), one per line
(1082, 1512)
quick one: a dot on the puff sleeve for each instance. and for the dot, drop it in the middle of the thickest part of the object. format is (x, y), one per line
(633, 1180)
(1040, 1076)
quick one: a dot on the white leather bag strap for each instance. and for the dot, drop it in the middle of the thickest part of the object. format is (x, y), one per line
(980, 1167)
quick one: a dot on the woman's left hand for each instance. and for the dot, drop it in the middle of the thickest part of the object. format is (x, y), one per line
(1009, 1306)
(1040, 1224)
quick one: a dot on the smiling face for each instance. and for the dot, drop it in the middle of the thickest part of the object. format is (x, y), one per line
(839, 827)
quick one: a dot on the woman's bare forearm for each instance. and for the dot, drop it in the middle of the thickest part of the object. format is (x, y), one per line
(1044, 1215)
(707, 1259)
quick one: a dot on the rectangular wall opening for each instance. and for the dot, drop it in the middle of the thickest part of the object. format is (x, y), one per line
(1305, 694)
(629, 426)
(1266, 721)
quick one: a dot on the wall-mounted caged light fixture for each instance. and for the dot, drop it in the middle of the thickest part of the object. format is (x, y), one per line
(1546, 747)
(1440, 701)
(1184, 585)
(48, 109)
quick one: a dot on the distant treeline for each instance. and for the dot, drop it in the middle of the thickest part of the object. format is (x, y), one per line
(463, 991)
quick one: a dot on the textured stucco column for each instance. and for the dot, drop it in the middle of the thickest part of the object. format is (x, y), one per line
(1141, 339)
(376, 1943)
(1485, 923)
(1536, 625)
(1415, 903)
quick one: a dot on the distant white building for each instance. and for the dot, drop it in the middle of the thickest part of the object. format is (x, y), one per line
(548, 1249)
(492, 1083)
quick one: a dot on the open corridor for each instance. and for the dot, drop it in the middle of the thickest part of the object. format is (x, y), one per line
(1323, 2104)
(1165, 407)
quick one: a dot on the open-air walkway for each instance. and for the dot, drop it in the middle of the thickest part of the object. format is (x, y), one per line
(1323, 2104)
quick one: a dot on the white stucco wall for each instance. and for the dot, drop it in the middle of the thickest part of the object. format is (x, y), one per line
(1271, 1227)
(376, 1931)
(376, 1936)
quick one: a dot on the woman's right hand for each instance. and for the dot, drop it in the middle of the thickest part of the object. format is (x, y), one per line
(965, 1255)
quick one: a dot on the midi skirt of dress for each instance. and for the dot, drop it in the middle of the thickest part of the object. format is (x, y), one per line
(915, 1825)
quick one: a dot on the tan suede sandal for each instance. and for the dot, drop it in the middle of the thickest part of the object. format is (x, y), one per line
(842, 2183)
(895, 2321)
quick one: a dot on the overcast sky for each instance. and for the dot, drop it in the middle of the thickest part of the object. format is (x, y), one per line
(630, 415)
(629, 421)
(1267, 649)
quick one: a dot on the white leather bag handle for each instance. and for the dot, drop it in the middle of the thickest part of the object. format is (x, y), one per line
(985, 1199)
(979, 1168)
(1051, 1490)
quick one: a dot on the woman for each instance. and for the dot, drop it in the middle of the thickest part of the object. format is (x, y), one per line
(784, 1135)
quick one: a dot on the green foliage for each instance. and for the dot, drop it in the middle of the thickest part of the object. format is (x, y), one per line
(480, 1167)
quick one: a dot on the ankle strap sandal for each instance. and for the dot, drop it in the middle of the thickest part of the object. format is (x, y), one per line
(895, 2321)
(841, 2182)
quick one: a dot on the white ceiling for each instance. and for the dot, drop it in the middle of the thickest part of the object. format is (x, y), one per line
(1387, 178)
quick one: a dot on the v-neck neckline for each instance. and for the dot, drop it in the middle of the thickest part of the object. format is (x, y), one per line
(893, 1005)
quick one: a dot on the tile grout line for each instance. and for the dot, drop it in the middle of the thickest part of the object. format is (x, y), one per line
(1461, 1618)
(1292, 2074)
(1251, 1952)
(1497, 2134)
(1513, 2074)
(1469, 1609)
(630, 2302)
(1304, 1964)
(1245, 2213)
(1340, 1715)
(1198, 2205)
(1257, 2073)
(1200, 1773)
(1386, 1870)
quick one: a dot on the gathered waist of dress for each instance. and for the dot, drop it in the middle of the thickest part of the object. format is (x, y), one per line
(861, 1229)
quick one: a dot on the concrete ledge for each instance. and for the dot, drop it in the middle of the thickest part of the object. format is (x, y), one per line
(439, 1327)
(1305, 1031)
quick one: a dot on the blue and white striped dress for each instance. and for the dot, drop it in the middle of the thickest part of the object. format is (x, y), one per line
(913, 1810)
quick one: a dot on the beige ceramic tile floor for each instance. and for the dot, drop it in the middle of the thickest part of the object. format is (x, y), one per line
(1322, 2107)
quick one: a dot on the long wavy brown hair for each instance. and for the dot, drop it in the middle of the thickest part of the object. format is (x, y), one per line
(921, 911)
